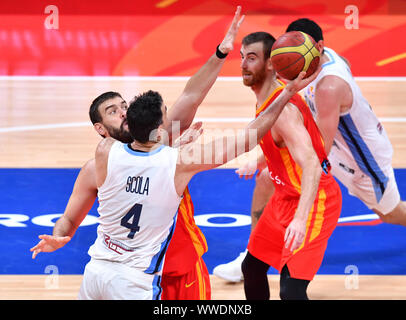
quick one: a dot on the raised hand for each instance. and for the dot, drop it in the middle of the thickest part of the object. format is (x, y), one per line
(49, 244)
(299, 82)
(247, 170)
(228, 42)
(189, 135)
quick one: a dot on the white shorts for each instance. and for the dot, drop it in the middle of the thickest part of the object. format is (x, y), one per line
(105, 280)
(361, 185)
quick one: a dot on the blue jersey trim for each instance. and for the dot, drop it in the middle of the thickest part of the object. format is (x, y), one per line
(363, 155)
(156, 288)
(142, 154)
(158, 259)
(332, 60)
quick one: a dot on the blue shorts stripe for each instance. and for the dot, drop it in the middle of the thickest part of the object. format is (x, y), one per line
(363, 155)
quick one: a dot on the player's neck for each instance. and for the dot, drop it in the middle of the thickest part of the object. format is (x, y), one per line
(324, 58)
(146, 147)
(266, 89)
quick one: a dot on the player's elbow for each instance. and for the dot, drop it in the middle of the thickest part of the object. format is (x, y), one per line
(313, 165)
(317, 169)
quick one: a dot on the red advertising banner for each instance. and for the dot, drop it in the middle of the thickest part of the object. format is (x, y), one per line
(174, 37)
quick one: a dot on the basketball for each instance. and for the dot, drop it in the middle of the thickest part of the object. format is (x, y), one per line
(293, 52)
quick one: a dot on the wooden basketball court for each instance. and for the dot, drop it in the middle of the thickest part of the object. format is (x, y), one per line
(45, 125)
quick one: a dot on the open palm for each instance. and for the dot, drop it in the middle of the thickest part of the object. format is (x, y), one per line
(49, 244)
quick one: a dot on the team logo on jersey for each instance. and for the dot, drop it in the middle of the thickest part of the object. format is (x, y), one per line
(326, 166)
(115, 245)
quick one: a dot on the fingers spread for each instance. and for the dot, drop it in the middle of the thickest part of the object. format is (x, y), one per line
(34, 254)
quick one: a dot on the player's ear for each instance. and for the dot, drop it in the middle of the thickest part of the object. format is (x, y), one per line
(320, 46)
(269, 65)
(100, 129)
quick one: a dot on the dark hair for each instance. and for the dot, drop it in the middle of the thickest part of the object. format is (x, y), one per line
(261, 36)
(307, 26)
(144, 115)
(94, 112)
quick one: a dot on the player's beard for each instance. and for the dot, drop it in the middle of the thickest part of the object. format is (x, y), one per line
(120, 134)
(255, 79)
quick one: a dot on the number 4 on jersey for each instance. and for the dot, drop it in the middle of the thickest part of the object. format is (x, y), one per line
(135, 212)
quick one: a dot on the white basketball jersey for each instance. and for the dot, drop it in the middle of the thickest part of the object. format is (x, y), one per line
(361, 144)
(138, 207)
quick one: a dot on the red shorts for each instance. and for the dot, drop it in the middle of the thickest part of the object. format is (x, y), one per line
(194, 285)
(267, 240)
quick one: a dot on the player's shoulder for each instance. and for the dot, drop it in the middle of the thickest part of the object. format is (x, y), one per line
(104, 145)
(290, 114)
(86, 177)
(89, 166)
(330, 84)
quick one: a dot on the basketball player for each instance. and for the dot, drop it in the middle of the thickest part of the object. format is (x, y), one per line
(185, 275)
(357, 145)
(293, 231)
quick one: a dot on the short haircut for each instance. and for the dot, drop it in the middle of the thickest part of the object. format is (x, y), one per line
(144, 115)
(307, 26)
(261, 36)
(94, 112)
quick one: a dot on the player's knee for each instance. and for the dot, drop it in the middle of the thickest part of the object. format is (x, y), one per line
(291, 288)
(252, 267)
(255, 278)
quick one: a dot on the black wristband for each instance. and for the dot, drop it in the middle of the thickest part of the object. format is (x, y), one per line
(220, 54)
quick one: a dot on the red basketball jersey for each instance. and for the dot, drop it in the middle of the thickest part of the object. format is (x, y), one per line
(188, 242)
(284, 171)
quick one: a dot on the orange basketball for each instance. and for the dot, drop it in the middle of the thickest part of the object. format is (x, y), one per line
(293, 52)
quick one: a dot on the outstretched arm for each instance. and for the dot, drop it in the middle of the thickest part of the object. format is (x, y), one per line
(80, 202)
(185, 107)
(224, 149)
